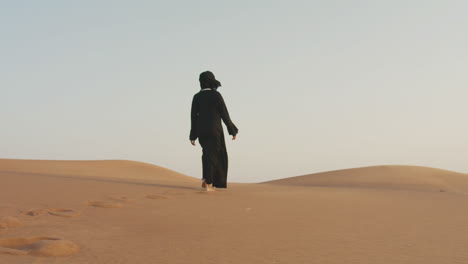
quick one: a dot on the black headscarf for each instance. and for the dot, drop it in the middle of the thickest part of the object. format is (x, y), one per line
(208, 80)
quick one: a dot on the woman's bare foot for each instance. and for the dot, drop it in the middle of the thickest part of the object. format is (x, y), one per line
(209, 188)
(203, 185)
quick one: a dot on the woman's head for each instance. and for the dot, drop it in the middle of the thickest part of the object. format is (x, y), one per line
(208, 80)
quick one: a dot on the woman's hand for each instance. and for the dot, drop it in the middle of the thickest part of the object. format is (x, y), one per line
(193, 142)
(233, 137)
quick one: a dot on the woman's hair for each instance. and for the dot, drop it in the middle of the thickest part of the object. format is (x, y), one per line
(208, 80)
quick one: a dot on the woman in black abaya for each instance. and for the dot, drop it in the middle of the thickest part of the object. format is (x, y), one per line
(208, 109)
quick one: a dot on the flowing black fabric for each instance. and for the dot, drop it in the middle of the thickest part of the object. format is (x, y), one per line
(208, 109)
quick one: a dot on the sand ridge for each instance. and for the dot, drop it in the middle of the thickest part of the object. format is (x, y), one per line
(389, 177)
(119, 169)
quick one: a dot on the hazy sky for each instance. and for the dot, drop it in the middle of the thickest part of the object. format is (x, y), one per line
(311, 85)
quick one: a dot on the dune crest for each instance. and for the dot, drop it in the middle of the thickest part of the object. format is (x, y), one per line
(387, 176)
(121, 169)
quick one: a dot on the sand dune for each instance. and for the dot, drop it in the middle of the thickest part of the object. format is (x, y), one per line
(130, 212)
(122, 169)
(390, 177)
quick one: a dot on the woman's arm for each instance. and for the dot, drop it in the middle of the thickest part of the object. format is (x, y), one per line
(232, 129)
(193, 118)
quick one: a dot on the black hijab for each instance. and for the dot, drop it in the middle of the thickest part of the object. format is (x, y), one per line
(208, 80)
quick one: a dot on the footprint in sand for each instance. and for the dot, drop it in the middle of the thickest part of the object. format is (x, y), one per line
(156, 196)
(9, 222)
(63, 212)
(38, 246)
(203, 191)
(120, 198)
(105, 204)
(36, 212)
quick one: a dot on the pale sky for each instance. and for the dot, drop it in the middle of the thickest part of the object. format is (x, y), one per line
(311, 85)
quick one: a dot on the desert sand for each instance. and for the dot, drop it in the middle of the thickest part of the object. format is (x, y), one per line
(132, 212)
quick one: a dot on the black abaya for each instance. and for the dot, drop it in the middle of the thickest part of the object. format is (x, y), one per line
(208, 109)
